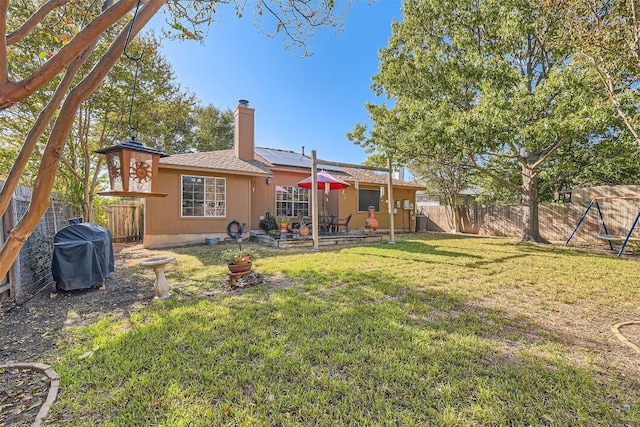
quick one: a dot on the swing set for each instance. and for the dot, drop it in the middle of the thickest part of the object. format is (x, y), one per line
(606, 235)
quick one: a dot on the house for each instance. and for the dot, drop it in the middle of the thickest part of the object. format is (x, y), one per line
(466, 196)
(208, 191)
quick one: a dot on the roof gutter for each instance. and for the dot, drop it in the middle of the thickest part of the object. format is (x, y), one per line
(212, 170)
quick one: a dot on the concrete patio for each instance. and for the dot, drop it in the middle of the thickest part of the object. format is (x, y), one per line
(329, 239)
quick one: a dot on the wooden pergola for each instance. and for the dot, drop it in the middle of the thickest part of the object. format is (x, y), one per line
(314, 193)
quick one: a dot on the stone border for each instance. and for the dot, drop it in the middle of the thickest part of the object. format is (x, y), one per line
(621, 337)
(54, 386)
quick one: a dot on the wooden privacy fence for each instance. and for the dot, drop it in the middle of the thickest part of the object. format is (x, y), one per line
(556, 220)
(125, 220)
(31, 270)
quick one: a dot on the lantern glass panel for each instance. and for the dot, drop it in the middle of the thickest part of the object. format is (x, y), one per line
(114, 164)
(140, 172)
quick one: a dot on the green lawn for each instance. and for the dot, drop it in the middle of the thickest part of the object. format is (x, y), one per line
(434, 330)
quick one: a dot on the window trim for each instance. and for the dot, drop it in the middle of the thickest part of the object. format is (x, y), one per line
(205, 178)
(377, 208)
(292, 202)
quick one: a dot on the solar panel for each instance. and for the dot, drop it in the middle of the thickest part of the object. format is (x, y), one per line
(290, 158)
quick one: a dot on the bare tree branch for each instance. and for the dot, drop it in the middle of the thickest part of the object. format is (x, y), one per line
(4, 71)
(282, 24)
(608, 82)
(12, 92)
(41, 199)
(37, 17)
(548, 153)
(38, 128)
(498, 178)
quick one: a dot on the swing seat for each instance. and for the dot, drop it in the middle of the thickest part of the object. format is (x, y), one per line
(614, 238)
(610, 237)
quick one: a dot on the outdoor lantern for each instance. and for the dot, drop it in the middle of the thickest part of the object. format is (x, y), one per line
(132, 168)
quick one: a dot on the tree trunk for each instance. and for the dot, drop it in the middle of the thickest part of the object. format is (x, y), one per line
(38, 128)
(41, 198)
(530, 225)
(87, 210)
(13, 92)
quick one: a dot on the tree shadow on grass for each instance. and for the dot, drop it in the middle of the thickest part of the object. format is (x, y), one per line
(211, 255)
(423, 252)
(423, 247)
(370, 347)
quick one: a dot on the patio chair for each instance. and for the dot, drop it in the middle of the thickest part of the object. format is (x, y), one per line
(326, 223)
(343, 223)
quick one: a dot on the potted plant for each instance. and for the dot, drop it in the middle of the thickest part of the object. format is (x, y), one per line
(237, 256)
(238, 260)
(283, 223)
(269, 223)
(304, 229)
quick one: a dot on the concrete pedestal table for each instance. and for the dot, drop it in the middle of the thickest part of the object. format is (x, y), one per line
(158, 264)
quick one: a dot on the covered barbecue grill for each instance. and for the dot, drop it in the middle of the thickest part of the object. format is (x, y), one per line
(82, 256)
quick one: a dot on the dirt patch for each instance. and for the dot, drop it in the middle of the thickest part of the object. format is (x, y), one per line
(22, 393)
(584, 331)
(632, 333)
(629, 333)
(29, 331)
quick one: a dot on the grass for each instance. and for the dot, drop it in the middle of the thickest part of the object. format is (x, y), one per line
(434, 330)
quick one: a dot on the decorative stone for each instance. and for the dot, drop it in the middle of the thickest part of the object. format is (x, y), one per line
(243, 280)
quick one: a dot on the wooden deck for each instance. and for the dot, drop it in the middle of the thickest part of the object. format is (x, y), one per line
(323, 240)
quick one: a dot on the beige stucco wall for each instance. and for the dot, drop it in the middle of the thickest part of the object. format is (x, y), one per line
(263, 199)
(248, 198)
(164, 225)
(348, 204)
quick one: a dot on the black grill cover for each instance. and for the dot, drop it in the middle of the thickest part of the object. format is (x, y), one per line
(82, 256)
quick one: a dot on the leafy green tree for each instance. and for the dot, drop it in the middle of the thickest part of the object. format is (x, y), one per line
(605, 36)
(609, 159)
(212, 129)
(477, 79)
(132, 87)
(53, 78)
(445, 178)
(376, 160)
(612, 159)
(103, 119)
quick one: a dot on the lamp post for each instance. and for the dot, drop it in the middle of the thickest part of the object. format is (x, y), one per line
(133, 169)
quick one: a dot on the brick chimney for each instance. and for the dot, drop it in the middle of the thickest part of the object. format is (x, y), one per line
(243, 135)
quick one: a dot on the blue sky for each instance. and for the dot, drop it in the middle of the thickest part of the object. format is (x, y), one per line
(311, 101)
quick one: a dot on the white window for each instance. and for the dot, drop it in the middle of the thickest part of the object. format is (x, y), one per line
(293, 201)
(204, 196)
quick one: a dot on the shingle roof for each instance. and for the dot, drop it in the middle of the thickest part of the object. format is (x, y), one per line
(222, 160)
(375, 178)
(225, 161)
